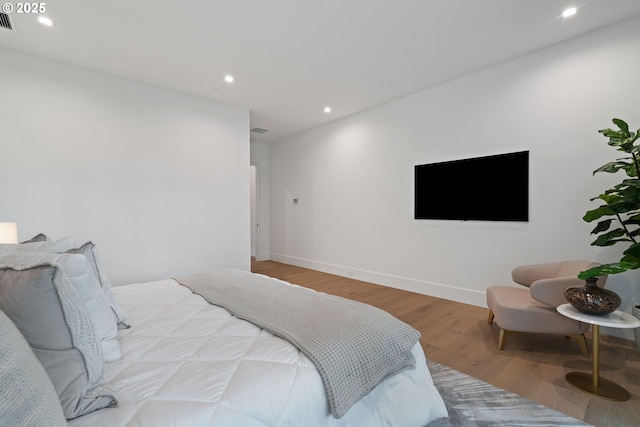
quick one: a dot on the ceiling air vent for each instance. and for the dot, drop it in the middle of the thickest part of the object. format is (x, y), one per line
(4, 21)
(259, 130)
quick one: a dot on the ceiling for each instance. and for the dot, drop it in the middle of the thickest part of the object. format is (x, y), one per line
(291, 58)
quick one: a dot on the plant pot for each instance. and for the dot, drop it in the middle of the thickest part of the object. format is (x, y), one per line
(592, 299)
(635, 310)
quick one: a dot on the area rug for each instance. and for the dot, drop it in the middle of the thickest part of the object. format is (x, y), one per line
(475, 403)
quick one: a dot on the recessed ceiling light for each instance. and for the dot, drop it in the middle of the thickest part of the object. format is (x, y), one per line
(229, 78)
(327, 109)
(45, 21)
(569, 12)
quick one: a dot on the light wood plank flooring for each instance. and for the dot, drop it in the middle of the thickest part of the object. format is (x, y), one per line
(458, 335)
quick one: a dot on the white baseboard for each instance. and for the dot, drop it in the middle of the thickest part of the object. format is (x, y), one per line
(438, 290)
(452, 293)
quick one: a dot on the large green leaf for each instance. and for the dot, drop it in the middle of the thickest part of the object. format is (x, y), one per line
(632, 220)
(602, 226)
(630, 259)
(623, 207)
(613, 167)
(605, 269)
(610, 197)
(633, 233)
(633, 250)
(613, 135)
(632, 170)
(610, 238)
(597, 213)
(628, 191)
(622, 125)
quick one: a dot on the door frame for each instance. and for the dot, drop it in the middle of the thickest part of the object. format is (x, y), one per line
(256, 201)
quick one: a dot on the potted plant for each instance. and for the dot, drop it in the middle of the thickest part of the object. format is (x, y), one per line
(618, 216)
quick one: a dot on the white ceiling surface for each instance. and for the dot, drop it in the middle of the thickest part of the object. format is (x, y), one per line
(291, 58)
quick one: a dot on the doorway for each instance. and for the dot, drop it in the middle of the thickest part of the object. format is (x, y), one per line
(255, 211)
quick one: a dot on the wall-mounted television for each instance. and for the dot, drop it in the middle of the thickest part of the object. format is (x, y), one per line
(489, 188)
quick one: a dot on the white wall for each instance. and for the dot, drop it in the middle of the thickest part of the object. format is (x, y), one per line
(354, 178)
(158, 180)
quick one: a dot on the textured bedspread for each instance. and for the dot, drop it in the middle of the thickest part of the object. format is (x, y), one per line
(353, 345)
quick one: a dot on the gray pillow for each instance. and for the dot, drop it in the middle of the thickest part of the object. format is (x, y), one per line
(67, 245)
(42, 302)
(59, 245)
(80, 274)
(40, 237)
(91, 253)
(27, 397)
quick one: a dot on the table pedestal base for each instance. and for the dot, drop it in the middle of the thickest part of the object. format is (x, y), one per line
(605, 389)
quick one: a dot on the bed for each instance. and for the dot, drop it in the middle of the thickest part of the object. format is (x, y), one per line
(186, 362)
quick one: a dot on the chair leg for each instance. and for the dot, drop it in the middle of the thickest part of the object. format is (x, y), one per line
(490, 319)
(583, 345)
(503, 333)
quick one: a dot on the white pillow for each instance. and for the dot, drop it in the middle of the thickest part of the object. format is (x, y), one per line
(50, 308)
(90, 251)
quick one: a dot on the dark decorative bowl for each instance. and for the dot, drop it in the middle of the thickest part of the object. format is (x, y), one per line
(592, 299)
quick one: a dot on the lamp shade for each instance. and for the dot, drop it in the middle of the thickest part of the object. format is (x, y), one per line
(8, 232)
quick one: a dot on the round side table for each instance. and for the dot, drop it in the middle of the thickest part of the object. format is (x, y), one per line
(592, 383)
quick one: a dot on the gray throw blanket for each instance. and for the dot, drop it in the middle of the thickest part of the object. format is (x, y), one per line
(353, 345)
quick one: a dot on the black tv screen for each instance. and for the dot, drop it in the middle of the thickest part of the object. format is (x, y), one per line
(490, 188)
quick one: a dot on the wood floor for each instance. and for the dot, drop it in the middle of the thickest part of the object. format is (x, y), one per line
(458, 335)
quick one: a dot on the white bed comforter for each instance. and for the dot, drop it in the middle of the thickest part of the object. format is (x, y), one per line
(188, 363)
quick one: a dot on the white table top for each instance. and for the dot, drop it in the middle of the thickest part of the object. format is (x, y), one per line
(617, 319)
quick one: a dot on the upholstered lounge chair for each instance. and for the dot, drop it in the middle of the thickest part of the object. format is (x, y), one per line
(532, 308)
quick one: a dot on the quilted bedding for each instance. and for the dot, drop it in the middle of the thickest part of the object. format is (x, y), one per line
(354, 346)
(188, 363)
